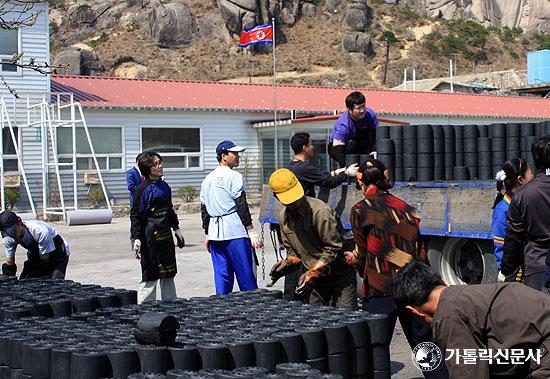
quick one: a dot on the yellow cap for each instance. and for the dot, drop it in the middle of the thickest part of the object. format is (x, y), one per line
(286, 186)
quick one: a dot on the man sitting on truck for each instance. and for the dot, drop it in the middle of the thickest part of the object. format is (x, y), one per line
(355, 131)
(482, 331)
(528, 220)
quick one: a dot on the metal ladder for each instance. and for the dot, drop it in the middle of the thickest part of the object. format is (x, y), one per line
(52, 117)
(6, 122)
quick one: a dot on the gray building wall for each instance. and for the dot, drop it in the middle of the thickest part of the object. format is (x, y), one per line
(214, 126)
(34, 43)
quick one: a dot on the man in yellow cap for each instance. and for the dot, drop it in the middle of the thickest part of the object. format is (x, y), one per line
(312, 236)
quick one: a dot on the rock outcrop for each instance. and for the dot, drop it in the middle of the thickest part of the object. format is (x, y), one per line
(172, 25)
(357, 42)
(241, 14)
(78, 61)
(533, 16)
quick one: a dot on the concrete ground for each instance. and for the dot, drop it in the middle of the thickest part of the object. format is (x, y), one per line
(101, 254)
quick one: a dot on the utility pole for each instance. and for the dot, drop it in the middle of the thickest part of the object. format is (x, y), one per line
(451, 74)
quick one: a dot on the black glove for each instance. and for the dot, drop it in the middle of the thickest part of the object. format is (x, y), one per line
(9, 270)
(284, 267)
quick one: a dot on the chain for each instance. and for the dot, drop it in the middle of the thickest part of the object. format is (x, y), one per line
(263, 249)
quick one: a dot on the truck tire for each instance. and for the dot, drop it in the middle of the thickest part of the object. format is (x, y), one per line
(463, 260)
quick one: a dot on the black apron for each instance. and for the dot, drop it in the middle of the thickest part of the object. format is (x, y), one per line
(34, 267)
(158, 253)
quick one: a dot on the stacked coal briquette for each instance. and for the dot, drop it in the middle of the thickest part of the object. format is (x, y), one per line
(245, 334)
(453, 152)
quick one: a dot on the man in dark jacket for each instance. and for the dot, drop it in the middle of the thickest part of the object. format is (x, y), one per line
(309, 175)
(483, 331)
(529, 220)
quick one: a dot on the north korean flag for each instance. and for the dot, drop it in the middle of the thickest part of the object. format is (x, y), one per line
(257, 35)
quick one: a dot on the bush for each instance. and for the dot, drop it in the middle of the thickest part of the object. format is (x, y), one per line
(543, 41)
(96, 196)
(188, 193)
(12, 196)
(102, 38)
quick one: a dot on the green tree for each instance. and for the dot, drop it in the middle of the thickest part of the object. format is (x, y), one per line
(390, 39)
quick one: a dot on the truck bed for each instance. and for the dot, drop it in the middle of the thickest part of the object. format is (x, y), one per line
(449, 209)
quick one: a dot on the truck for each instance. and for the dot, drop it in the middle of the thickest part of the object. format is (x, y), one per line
(455, 222)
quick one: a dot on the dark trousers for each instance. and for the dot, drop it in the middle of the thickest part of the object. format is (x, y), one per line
(340, 291)
(414, 330)
(535, 281)
(60, 268)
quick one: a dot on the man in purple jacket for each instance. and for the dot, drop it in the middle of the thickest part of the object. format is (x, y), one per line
(355, 131)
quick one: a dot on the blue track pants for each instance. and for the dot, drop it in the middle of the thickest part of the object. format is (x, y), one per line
(233, 258)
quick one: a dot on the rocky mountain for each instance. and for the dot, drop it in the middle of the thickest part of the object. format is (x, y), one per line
(533, 16)
(321, 42)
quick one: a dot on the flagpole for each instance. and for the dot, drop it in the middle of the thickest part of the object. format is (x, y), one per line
(275, 98)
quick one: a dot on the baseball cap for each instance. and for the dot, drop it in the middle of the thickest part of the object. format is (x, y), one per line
(8, 223)
(286, 186)
(225, 146)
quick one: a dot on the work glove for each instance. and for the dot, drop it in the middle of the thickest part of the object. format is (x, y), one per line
(337, 172)
(352, 170)
(501, 278)
(255, 239)
(306, 282)
(137, 248)
(284, 267)
(9, 270)
(179, 237)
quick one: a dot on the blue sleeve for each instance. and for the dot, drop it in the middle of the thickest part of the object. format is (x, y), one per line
(499, 231)
(145, 200)
(131, 180)
(341, 131)
(374, 123)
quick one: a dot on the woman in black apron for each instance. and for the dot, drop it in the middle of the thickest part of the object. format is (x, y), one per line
(152, 218)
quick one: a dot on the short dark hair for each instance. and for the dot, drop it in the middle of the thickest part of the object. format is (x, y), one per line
(413, 284)
(541, 152)
(146, 162)
(298, 141)
(138, 156)
(355, 98)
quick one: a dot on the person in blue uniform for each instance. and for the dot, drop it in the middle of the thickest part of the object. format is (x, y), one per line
(227, 223)
(133, 179)
(47, 252)
(152, 218)
(514, 173)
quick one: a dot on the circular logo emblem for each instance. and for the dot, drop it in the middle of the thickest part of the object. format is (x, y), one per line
(427, 356)
(260, 35)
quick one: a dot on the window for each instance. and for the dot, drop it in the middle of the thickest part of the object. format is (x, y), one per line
(10, 158)
(107, 143)
(9, 45)
(179, 147)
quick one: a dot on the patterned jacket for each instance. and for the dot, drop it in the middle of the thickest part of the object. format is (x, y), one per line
(387, 236)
